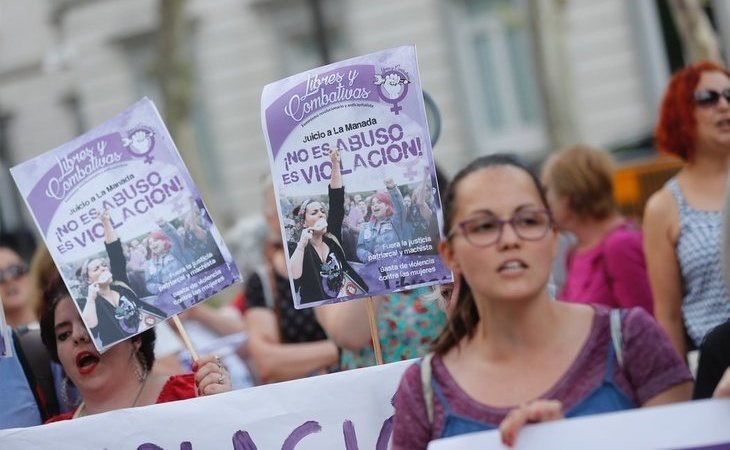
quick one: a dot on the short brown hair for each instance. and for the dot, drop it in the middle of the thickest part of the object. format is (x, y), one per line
(583, 175)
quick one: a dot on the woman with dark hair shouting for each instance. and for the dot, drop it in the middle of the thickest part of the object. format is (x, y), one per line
(121, 376)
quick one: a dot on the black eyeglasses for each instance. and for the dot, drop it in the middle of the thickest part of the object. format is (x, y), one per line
(12, 273)
(485, 230)
(708, 97)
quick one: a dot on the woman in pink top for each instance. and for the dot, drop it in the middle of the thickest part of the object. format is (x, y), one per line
(607, 264)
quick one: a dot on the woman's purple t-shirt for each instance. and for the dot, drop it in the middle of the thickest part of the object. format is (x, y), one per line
(650, 362)
(613, 273)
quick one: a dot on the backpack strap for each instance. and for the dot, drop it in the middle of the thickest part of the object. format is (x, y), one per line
(616, 337)
(37, 367)
(426, 385)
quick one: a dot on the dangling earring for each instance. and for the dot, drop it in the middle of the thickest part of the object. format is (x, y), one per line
(64, 394)
(140, 369)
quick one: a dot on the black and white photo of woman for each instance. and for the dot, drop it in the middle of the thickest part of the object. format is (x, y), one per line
(111, 310)
(318, 263)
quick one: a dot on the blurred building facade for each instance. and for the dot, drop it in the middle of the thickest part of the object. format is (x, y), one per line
(507, 75)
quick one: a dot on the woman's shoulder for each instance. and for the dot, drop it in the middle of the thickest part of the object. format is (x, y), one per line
(662, 205)
(632, 319)
(178, 387)
(412, 373)
(636, 319)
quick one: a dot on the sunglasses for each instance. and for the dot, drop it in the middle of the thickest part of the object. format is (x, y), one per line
(12, 273)
(707, 97)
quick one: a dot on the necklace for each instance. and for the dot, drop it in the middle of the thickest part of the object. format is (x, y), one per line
(80, 410)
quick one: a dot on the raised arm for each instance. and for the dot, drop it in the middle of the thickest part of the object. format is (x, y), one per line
(421, 196)
(336, 181)
(661, 228)
(399, 214)
(192, 221)
(109, 234)
(177, 244)
(117, 261)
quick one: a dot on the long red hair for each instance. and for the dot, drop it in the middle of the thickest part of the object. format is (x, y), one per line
(676, 129)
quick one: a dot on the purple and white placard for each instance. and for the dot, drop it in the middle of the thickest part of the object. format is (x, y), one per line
(125, 225)
(354, 177)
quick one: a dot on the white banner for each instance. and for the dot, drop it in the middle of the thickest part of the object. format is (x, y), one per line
(697, 425)
(347, 410)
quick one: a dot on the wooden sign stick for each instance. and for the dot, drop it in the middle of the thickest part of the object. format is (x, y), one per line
(185, 337)
(374, 331)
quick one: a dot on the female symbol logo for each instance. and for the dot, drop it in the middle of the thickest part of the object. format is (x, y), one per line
(140, 142)
(392, 87)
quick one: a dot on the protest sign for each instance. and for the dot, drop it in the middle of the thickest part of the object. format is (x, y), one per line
(6, 347)
(125, 225)
(380, 235)
(323, 412)
(696, 425)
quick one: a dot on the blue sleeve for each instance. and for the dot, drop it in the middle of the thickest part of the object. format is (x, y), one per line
(363, 250)
(151, 281)
(178, 247)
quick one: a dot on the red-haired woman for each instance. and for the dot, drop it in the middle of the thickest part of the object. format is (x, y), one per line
(683, 220)
(162, 264)
(386, 223)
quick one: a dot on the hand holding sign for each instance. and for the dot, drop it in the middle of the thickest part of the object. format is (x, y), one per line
(533, 412)
(211, 376)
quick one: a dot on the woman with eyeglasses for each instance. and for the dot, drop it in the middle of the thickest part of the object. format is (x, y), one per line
(15, 288)
(318, 262)
(683, 220)
(112, 309)
(510, 355)
(606, 265)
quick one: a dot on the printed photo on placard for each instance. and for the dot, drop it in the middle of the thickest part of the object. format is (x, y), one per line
(351, 161)
(125, 225)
